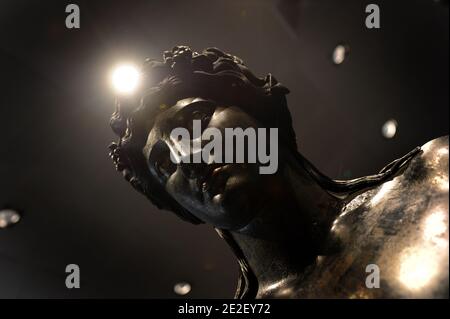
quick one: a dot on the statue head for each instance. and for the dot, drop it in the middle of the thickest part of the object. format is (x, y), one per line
(200, 96)
(213, 90)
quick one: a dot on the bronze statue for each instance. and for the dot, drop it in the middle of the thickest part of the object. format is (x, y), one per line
(296, 233)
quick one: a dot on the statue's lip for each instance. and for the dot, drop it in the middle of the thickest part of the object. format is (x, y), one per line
(214, 180)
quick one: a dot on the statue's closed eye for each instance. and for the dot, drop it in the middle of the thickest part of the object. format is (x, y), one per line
(198, 115)
(200, 111)
(159, 161)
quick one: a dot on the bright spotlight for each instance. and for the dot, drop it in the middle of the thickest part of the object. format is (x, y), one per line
(389, 129)
(125, 79)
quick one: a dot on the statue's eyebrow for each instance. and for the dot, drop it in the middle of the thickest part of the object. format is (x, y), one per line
(203, 104)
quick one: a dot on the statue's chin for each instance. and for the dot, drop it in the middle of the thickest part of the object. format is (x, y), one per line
(237, 204)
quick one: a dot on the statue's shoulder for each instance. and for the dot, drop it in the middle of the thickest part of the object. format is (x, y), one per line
(426, 176)
(437, 144)
(434, 157)
(420, 184)
(397, 232)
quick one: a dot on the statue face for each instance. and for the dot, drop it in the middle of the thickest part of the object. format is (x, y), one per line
(225, 195)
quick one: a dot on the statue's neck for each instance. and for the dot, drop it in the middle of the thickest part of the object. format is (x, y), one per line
(289, 231)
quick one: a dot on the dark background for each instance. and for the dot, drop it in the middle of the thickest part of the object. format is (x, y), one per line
(55, 104)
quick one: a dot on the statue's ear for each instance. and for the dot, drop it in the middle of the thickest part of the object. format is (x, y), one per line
(274, 87)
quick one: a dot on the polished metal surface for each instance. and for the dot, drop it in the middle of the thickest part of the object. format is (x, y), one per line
(400, 226)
